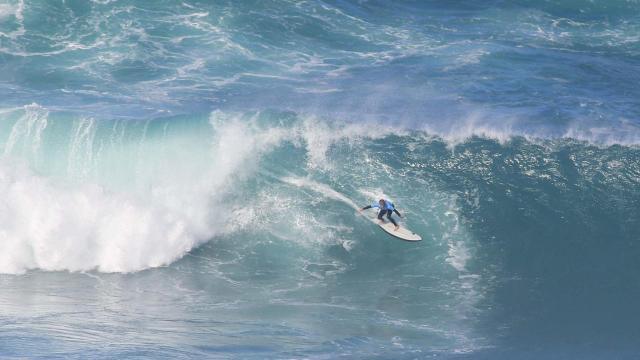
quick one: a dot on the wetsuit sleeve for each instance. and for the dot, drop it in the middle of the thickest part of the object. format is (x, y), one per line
(397, 212)
(371, 206)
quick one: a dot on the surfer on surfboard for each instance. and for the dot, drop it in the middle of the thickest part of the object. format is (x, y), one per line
(386, 207)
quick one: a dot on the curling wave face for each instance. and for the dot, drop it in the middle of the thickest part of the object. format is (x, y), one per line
(270, 198)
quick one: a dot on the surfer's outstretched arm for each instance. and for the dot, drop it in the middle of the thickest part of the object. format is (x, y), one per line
(397, 212)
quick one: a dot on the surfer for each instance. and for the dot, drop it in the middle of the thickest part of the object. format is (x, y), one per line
(386, 207)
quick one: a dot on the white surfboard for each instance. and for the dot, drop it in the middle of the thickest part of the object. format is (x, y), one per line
(402, 233)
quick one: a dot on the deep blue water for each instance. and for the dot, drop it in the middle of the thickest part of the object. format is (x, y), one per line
(179, 179)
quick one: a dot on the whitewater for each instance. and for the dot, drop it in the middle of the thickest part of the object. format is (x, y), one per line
(181, 179)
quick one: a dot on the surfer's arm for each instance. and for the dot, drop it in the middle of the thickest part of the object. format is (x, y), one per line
(371, 206)
(397, 212)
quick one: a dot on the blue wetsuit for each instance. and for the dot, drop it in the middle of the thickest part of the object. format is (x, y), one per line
(387, 209)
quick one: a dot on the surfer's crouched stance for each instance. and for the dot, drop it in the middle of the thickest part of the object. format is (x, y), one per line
(386, 207)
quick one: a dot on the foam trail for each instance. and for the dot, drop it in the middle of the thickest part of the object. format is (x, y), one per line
(326, 191)
(320, 188)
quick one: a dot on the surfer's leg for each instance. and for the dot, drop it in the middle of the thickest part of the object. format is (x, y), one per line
(389, 212)
(380, 214)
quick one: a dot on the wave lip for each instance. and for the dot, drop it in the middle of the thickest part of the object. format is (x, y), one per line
(503, 128)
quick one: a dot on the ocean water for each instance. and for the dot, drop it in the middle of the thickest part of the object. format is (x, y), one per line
(180, 179)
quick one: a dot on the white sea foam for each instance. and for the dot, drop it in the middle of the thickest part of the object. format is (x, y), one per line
(16, 11)
(51, 224)
(12, 10)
